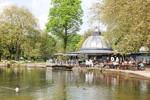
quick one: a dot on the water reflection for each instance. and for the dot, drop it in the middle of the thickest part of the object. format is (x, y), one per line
(47, 84)
(89, 77)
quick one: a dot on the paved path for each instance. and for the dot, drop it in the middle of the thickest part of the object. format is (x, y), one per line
(145, 73)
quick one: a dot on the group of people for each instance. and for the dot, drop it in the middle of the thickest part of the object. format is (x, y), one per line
(62, 62)
(111, 63)
(125, 64)
(89, 63)
(129, 63)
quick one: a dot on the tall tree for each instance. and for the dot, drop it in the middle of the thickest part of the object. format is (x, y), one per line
(73, 40)
(127, 23)
(48, 45)
(64, 18)
(17, 25)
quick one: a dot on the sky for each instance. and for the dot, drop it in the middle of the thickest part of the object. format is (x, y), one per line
(40, 9)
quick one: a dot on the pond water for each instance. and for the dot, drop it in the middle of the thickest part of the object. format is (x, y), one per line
(47, 84)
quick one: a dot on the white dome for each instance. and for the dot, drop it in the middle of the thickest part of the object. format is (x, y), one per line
(96, 42)
(144, 49)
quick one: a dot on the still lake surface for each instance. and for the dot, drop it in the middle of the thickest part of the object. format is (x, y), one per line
(47, 84)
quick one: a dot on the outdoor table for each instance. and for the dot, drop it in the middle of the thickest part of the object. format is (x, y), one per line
(110, 65)
(124, 66)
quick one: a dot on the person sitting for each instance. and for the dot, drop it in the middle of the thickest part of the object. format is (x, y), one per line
(101, 65)
(124, 64)
(115, 64)
(91, 63)
(87, 63)
(141, 66)
(109, 64)
(130, 62)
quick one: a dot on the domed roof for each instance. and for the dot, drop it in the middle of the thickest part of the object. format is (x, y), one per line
(144, 49)
(96, 44)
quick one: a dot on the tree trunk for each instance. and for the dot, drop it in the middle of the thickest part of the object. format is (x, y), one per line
(17, 52)
(0, 53)
(65, 40)
(0, 57)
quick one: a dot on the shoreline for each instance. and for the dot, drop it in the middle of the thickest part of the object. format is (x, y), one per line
(38, 65)
(144, 73)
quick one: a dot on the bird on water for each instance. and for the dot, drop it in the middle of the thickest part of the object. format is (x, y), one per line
(17, 89)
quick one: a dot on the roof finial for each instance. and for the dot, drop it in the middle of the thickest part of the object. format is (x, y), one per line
(97, 31)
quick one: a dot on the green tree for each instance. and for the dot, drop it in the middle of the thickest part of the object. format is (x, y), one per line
(64, 19)
(73, 40)
(17, 26)
(127, 23)
(1, 50)
(31, 45)
(48, 46)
